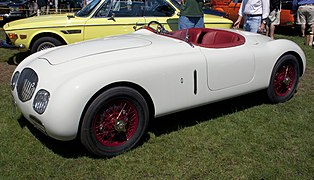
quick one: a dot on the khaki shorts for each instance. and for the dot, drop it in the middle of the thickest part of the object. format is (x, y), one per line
(305, 14)
(274, 17)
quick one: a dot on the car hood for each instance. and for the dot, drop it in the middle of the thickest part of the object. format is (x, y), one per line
(72, 52)
(45, 21)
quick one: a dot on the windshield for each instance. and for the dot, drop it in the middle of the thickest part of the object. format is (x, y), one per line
(176, 3)
(85, 11)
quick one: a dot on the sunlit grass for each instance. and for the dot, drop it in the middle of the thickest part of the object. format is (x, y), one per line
(241, 138)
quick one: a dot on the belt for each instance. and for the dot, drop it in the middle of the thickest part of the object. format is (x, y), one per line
(252, 15)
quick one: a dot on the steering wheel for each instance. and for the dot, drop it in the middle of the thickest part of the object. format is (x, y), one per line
(159, 29)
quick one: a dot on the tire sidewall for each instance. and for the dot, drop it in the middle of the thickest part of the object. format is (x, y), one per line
(88, 137)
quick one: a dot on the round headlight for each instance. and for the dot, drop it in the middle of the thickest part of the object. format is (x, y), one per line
(41, 101)
(15, 8)
(14, 79)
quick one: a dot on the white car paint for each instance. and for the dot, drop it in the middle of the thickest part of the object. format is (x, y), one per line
(164, 67)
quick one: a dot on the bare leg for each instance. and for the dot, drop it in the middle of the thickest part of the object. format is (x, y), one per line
(303, 30)
(312, 36)
(267, 30)
(272, 31)
(309, 36)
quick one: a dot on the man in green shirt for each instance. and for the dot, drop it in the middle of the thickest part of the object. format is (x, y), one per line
(191, 14)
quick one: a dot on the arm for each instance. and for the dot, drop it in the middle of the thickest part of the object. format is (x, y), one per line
(240, 13)
(265, 8)
(265, 14)
(238, 22)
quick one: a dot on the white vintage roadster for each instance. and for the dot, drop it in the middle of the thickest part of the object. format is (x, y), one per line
(104, 91)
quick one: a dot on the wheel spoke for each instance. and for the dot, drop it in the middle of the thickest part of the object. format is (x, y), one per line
(284, 80)
(117, 123)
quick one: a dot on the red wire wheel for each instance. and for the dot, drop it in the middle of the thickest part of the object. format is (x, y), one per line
(284, 79)
(114, 122)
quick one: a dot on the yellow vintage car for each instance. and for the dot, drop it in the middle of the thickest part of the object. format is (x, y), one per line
(98, 19)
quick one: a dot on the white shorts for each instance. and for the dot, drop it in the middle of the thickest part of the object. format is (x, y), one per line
(274, 17)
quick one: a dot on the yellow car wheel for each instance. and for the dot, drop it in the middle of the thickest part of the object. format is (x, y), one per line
(45, 43)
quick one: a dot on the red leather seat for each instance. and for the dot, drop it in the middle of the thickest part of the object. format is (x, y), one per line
(210, 38)
(192, 34)
(221, 39)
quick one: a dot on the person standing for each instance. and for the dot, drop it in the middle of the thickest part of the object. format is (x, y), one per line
(191, 14)
(41, 7)
(273, 18)
(305, 18)
(254, 14)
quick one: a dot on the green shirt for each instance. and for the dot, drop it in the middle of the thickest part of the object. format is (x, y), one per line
(192, 8)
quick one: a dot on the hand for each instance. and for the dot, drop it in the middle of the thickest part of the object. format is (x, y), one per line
(261, 28)
(236, 25)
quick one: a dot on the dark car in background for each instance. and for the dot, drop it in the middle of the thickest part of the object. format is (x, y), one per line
(13, 9)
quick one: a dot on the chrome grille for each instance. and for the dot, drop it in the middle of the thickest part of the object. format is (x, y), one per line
(27, 84)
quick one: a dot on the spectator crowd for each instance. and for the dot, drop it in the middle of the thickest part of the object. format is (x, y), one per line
(258, 16)
(41, 7)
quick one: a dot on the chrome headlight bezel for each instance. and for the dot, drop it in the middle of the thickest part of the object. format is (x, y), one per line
(41, 101)
(27, 84)
(14, 80)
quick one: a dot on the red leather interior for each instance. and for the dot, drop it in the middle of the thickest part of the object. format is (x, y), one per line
(210, 38)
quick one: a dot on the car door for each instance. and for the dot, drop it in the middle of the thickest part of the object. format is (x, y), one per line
(228, 67)
(115, 17)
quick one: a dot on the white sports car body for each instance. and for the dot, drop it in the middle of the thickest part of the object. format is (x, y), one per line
(104, 91)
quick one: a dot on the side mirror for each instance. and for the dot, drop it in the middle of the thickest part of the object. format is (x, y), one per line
(112, 17)
(138, 24)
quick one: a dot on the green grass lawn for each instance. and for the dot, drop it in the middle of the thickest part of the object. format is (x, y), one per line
(241, 138)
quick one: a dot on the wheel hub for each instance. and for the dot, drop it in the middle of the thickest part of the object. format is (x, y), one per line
(116, 123)
(287, 81)
(119, 125)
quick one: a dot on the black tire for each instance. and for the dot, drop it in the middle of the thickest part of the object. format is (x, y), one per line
(284, 79)
(114, 122)
(45, 43)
